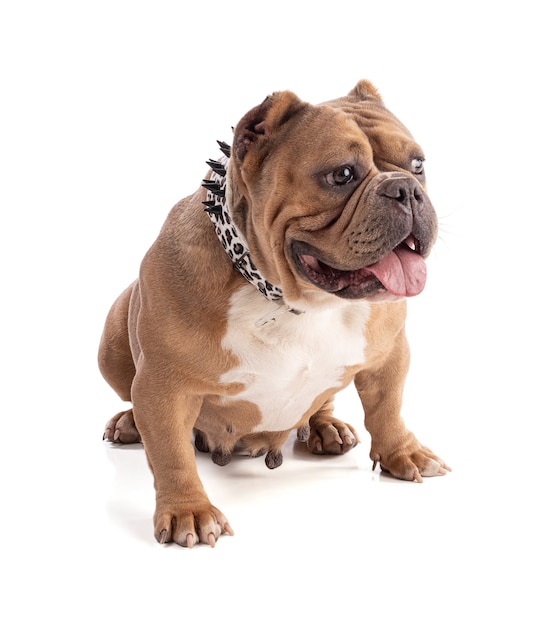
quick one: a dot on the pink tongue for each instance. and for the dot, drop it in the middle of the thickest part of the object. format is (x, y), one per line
(402, 272)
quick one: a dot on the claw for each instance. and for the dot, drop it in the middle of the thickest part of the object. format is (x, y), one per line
(228, 529)
(211, 540)
(190, 540)
(163, 536)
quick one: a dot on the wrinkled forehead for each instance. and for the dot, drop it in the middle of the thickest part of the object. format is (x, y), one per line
(388, 137)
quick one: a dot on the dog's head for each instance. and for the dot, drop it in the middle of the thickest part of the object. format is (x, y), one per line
(332, 198)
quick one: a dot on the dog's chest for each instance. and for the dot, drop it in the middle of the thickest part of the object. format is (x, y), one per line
(291, 359)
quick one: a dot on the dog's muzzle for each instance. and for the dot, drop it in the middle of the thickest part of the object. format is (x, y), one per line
(387, 245)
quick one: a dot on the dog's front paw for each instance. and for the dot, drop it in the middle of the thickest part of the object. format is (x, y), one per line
(331, 436)
(190, 523)
(411, 461)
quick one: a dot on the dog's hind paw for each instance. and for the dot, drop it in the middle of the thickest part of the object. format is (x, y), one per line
(121, 428)
(331, 436)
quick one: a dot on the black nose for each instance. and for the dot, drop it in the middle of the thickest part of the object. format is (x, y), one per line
(405, 190)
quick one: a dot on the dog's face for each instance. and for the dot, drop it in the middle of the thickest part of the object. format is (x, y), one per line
(332, 198)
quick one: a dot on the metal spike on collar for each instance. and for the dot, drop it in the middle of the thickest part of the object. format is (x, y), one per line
(212, 208)
(217, 167)
(225, 148)
(214, 187)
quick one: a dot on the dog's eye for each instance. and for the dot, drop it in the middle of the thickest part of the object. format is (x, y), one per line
(417, 165)
(342, 176)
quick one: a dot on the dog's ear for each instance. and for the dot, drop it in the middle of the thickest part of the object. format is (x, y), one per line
(260, 123)
(364, 90)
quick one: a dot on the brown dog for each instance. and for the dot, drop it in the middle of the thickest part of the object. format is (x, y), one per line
(274, 286)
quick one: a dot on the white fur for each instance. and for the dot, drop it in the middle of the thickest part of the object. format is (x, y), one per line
(287, 360)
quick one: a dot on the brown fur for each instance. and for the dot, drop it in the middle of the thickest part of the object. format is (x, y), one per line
(162, 344)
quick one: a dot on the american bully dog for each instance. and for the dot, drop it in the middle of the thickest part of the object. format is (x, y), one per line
(279, 282)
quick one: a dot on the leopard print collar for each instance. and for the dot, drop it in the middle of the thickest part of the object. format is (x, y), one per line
(233, 242)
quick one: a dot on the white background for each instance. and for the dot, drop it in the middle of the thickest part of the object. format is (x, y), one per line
(108, 113)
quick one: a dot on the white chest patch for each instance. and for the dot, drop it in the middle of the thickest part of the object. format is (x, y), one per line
(288, 361)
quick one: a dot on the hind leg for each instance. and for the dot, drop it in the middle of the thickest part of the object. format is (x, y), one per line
(116, 364)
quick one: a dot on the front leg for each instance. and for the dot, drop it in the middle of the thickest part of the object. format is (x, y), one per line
(392, 445)
(165, 419)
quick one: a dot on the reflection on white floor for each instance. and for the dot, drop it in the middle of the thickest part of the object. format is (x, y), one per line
(325, 538)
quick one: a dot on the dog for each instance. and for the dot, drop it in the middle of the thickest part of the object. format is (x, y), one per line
(279, 282)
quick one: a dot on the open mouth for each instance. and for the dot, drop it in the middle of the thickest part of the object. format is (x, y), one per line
(401, 272)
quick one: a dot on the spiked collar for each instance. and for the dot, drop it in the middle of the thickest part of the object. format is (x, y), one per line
(233, 242)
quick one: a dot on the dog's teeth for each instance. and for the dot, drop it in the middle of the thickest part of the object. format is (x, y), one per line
(411, 243)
